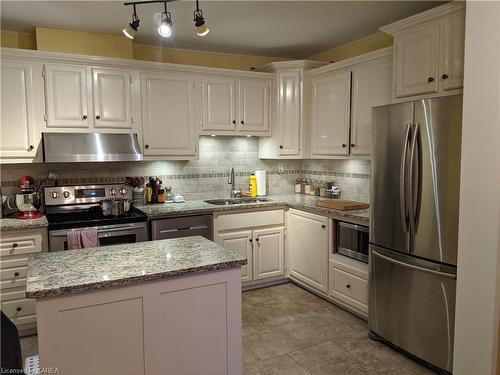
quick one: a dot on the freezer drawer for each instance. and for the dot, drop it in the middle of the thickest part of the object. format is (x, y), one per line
(412, 305)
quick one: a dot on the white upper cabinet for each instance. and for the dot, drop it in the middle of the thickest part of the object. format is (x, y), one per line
(429, 52)
(168, 115)
(330, 114)
(253, 109)
(417, 62)
(67, 93)
(219, 104)
(112, 98)
(289, 112)
(17, 111)
(371, 86)
(453, 39)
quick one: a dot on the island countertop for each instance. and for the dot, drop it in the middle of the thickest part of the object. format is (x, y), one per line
(74, 271)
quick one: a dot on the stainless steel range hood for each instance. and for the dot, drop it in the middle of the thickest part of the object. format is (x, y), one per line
(82, 147)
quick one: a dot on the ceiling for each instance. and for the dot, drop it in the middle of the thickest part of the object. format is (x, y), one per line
(291, 29)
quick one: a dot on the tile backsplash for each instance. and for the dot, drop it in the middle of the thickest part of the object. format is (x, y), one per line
(207, 177)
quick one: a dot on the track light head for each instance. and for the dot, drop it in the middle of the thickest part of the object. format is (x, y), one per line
(132, 27)
(199, 21)
(165, 28)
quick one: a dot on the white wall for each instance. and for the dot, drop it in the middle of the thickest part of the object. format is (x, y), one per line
(478, 294)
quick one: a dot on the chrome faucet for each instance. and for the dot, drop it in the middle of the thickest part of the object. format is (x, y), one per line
(235, 193)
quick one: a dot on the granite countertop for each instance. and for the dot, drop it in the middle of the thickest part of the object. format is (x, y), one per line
(299, 201)
(16, 224)
(66, 272)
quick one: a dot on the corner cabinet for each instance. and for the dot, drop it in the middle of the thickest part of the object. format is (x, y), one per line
(429, 52)
(307, 249)
(289, 115)
(235, 106)
(343, 95)
(168, 121)
(21, 111)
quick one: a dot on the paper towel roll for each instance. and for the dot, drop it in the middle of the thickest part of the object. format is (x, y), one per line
(261, 183)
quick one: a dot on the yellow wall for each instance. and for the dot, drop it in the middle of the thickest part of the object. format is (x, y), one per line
(18, 40)
(200, 58)
(372, 43)
(109, 45)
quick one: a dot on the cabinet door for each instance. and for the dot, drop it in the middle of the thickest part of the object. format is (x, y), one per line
(168, 114)
(253, 106)
(371, 86)
(17, 119)
(111, 91)
(330, 115)
(268, 253)
(240, 243)
(416, 62)
(219, 105)
(453, 39)
(308, 248)
(67, 92)
(289, 113)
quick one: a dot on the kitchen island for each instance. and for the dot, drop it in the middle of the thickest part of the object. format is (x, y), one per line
(158, 307)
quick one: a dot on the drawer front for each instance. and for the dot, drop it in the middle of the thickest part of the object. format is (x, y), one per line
(19, 308)
(250, 220)
(13, 245)
(14, 261)
(13, 273)
(350, 285)
(13, 283)
(13, 294)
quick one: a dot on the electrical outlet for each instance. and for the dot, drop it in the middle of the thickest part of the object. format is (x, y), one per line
(280, 168)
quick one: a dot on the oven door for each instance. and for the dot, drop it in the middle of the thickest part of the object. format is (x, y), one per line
(352, 241)
(108, 235)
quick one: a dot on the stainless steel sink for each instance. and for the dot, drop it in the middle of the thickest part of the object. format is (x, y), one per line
(230, 201)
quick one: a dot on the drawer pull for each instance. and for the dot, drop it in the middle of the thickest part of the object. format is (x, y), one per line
(14, 245)
(19, 308)
(16, 274)
(347, 286)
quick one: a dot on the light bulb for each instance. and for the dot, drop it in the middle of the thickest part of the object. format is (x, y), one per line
(202, 30)
(164, 29)
(129, 32)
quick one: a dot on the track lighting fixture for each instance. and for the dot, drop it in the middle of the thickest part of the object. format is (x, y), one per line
(132, 27)
(165, 28)
(199, 21)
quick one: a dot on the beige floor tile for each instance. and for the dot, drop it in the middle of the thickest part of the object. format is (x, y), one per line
(281, 365)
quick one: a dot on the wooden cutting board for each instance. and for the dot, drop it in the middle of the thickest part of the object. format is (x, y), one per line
(342, 205)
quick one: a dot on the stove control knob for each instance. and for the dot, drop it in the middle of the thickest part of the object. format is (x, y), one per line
(66, 194)
(123, 191)
(112, 191)
(54, 194)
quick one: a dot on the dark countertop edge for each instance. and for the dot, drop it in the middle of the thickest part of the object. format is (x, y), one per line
(134, 280)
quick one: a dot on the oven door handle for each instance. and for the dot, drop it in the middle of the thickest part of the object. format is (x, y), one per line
(103, 230)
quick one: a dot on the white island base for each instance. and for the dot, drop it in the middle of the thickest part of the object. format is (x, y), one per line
(186, 325)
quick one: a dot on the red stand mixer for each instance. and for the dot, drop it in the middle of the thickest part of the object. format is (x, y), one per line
(28, 201)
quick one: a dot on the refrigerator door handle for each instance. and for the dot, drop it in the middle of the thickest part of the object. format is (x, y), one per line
(415, 201)
(414, 267)
(403, 189)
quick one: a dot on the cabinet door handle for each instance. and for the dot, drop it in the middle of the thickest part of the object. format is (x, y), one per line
(234, 122)
(14, 245)
(344, 145)
(323, 226)
(31, 148)
(19, 308)
(347, 286)
(84, 117)
(281, 147)
(242, 122)
(250, 240)
(444, 76)
(146, 146)
(353, 145)
(16, 274)
(257, 239)
(97, 117)
(430, 79)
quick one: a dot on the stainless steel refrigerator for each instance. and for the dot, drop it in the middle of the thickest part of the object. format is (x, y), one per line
(414, 226)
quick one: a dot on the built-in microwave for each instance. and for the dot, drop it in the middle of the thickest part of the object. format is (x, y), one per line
(352, 241)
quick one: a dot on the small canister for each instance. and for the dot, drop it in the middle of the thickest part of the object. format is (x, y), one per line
(298, 185)
(307, 187)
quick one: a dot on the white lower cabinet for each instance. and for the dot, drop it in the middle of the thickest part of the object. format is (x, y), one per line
(307, 248)
(348, 283)
(259, 236)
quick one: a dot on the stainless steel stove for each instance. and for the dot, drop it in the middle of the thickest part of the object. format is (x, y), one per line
(79, 207)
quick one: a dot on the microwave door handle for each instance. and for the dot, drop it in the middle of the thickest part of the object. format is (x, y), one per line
(402, 182)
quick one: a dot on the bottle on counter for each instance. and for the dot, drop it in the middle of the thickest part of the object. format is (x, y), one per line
(253, 185)
(161, 196)
(307, 187)
(169, 196)
(149, 193)
(303, 186)
(298, 185)
(322, 190)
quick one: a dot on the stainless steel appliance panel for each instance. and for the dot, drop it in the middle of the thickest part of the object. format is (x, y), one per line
(352, 241)
(412, 305)
(389, 222)
(183, 226)
(435, 181)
